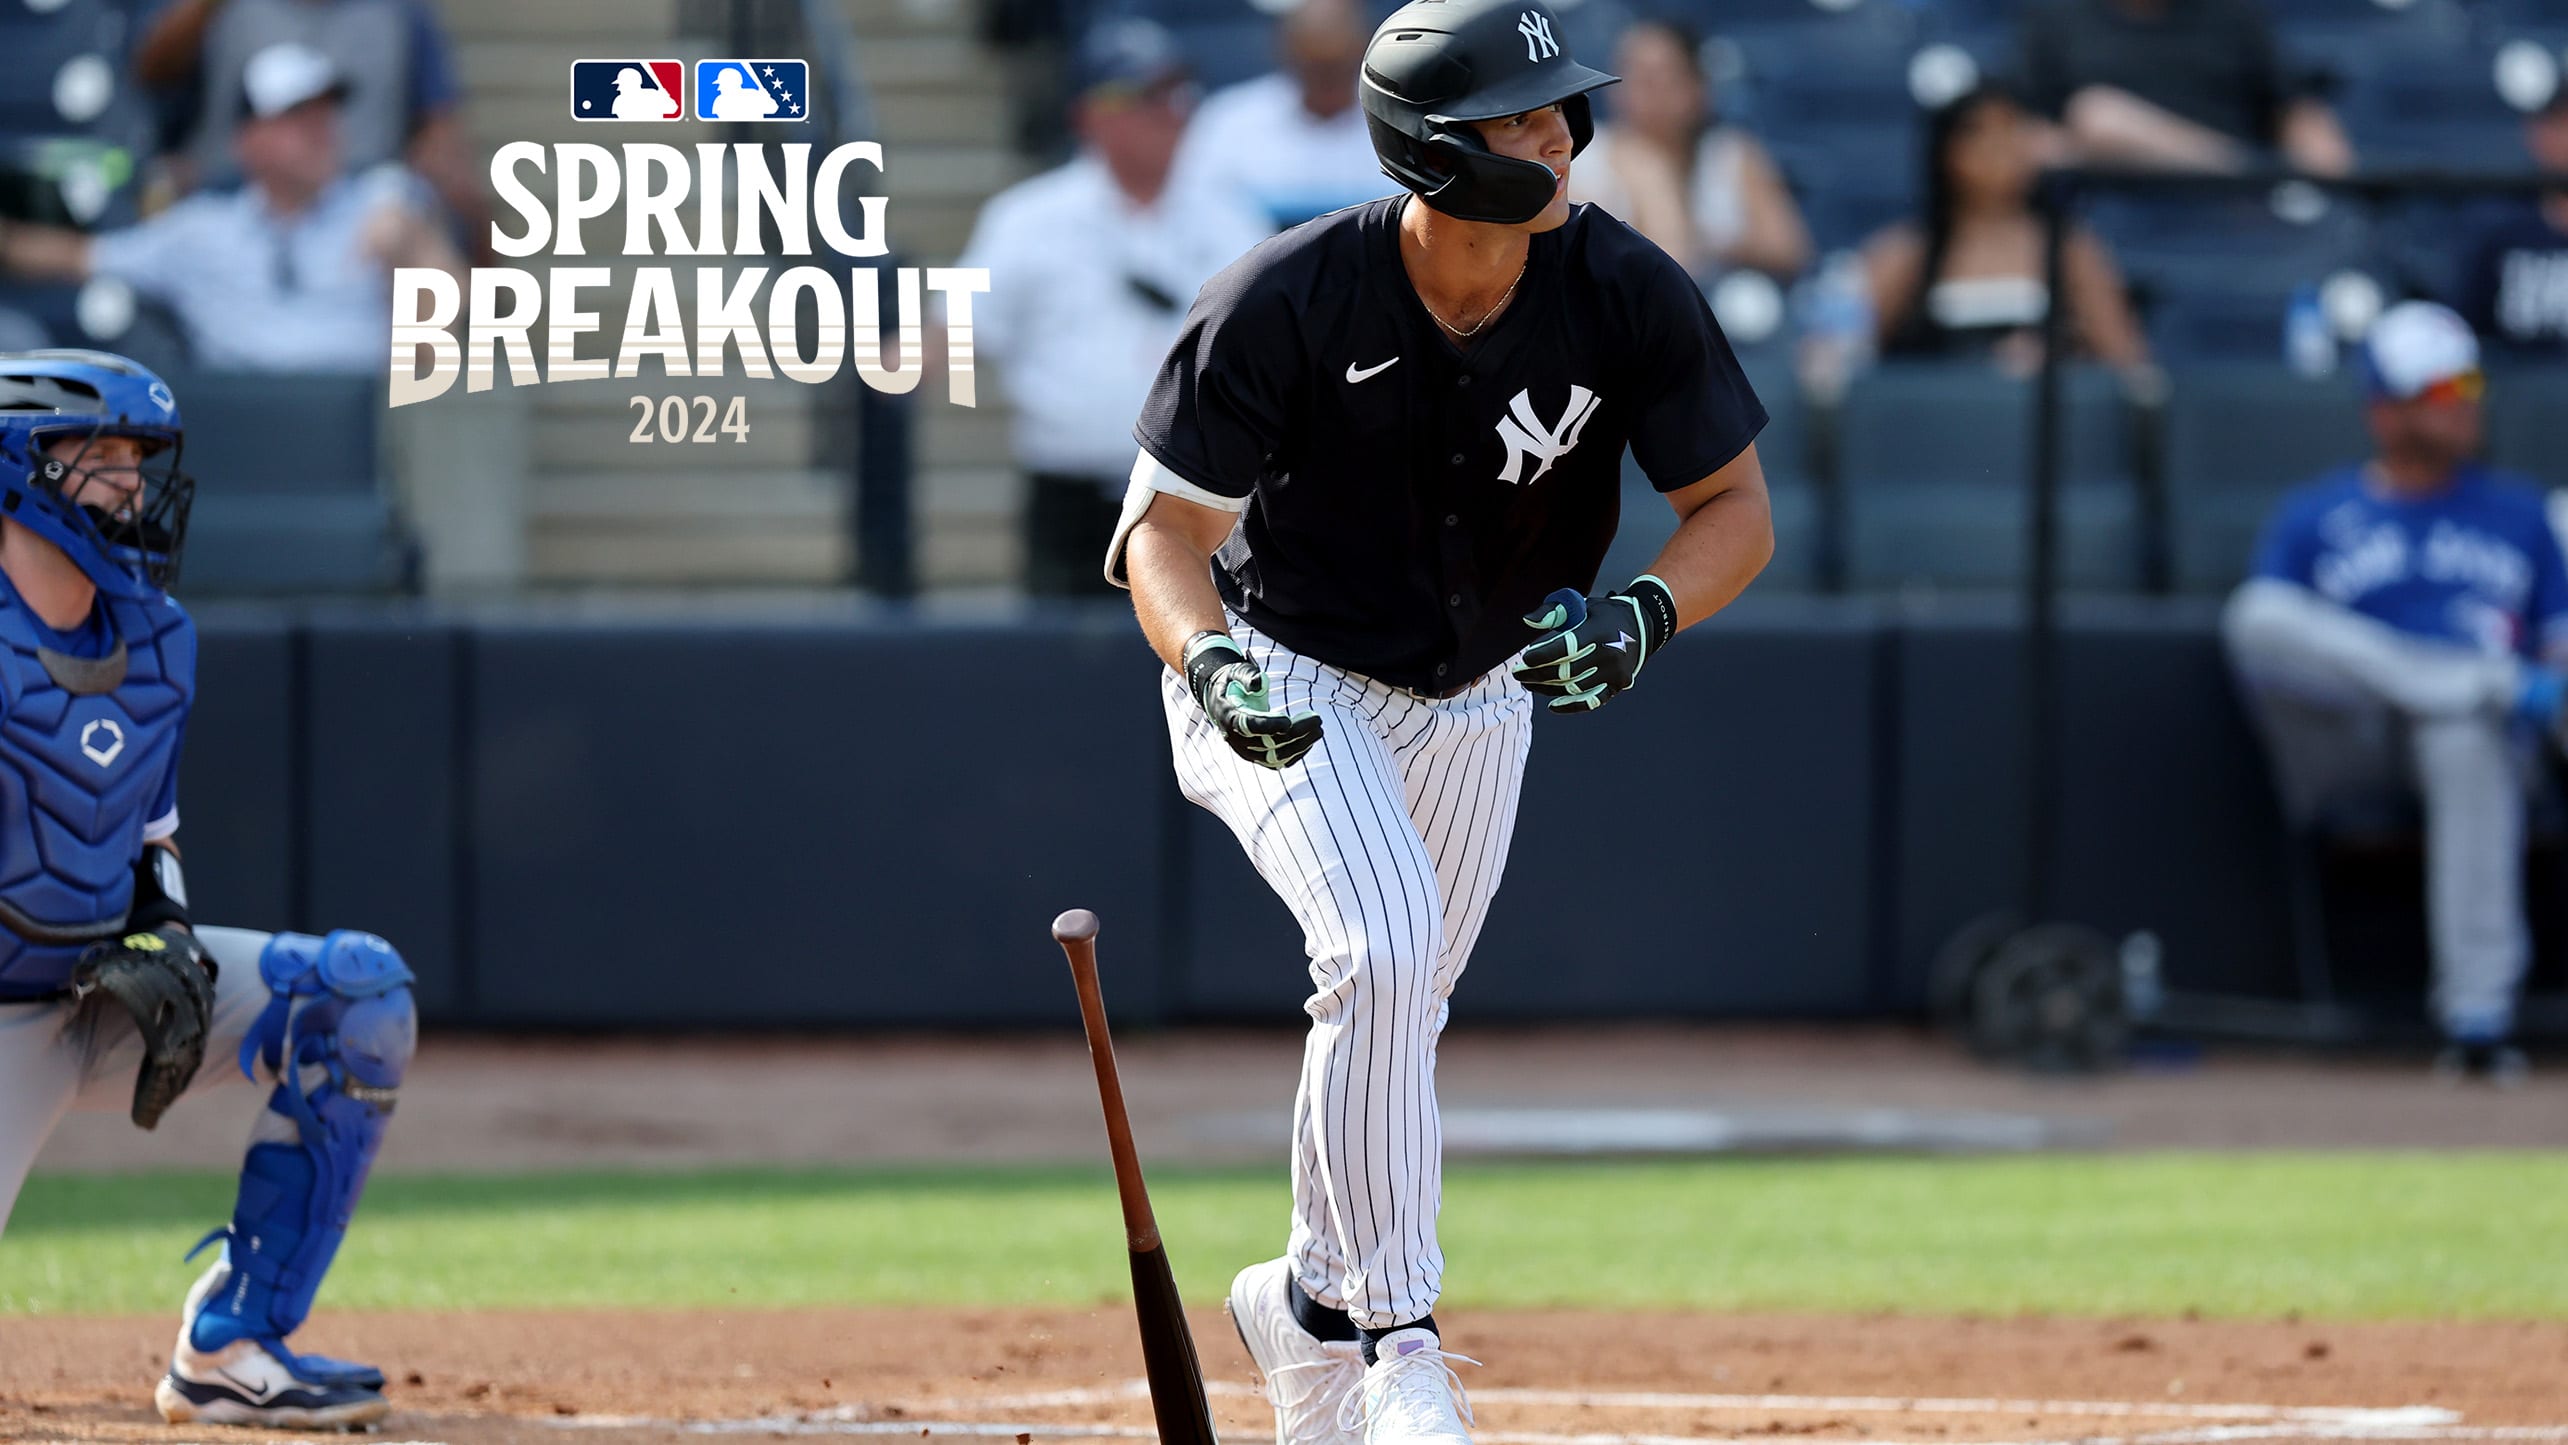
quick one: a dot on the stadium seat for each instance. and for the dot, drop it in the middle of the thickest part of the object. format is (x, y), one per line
(2238, 436)
(289, 497)
(2414, 101)
(70, 66)
(1226, 52)
(2528, 422)
(1801, 523)
(1935, 461)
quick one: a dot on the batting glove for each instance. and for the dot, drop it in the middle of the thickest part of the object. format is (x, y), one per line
(1232, 692)
(1593, 647)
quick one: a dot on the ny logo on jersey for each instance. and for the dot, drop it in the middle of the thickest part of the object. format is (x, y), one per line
(1526, 435)
(1536, 29)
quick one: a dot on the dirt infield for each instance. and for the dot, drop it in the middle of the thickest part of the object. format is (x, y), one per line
(608, 1379)
(481, 1103)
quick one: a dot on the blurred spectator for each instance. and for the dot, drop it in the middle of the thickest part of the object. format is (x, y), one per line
(1101, 257)
(291, 272)
(1292, 143)
(403, 104)
(1967, 279)
(2514, 288)
(2402, 630)
(2186, 84)
(1704, 190)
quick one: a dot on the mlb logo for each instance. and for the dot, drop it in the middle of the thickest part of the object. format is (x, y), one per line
(751, 90)
(628, 90)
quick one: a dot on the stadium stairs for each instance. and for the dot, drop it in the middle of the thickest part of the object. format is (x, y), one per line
(602, 510)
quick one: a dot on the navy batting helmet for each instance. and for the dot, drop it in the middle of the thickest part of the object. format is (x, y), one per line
(1437, 65)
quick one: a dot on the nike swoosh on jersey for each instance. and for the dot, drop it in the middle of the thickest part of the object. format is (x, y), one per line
(1355, 375)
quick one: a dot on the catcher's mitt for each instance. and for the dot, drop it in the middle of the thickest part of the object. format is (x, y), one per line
(163, 979)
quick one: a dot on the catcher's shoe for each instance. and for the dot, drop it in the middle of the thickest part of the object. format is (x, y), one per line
(261, 1382)
(1410, 1394)
(1308, 1380)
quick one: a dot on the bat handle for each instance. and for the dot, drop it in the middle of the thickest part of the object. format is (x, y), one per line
(1076, 932)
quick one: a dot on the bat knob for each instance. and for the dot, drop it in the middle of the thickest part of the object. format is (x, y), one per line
(1076, 926)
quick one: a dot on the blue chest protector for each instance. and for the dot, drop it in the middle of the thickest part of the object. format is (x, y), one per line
(88, 756)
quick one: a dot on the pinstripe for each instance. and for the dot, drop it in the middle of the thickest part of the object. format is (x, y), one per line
(1386, 842)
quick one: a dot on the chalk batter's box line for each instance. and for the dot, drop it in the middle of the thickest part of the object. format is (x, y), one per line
(2254, 1422)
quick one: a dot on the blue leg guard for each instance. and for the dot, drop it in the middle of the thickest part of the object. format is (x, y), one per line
(337, 1034)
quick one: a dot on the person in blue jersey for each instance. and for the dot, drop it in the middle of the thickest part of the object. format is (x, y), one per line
(2406, 624)
(111, 996)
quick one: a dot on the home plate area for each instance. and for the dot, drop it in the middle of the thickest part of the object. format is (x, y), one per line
(1551, 1378)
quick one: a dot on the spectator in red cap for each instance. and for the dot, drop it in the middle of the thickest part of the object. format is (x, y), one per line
(2405, 628)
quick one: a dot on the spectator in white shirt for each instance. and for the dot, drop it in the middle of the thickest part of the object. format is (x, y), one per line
(1293, 142)
(1092, 265)
(1704, 190)
(293, 271)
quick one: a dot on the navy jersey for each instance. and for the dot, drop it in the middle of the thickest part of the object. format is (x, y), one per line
(88, 772)
(2475, 564)
(1407, 502)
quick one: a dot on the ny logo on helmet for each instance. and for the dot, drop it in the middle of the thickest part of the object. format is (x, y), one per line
(1528, 438)
(1536, 29)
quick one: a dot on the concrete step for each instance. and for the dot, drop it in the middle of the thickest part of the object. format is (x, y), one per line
(720, 496)
(621, 22)
(871, 18)
(926, 61)
(779, 438)
(905, 119)
(764, 555)
(965, 436)
(970, 555)
(993, 494)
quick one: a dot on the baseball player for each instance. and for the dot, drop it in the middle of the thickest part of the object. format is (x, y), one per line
(1382, 460)
(109, 995)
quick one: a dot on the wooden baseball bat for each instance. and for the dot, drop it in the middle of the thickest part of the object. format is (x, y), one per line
(1167, 1346)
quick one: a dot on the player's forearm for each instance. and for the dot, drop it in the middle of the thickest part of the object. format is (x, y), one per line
(43, 253)
(1172, 589)
(1717, 551)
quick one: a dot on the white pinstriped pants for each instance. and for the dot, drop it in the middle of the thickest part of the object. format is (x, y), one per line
(1386, 841)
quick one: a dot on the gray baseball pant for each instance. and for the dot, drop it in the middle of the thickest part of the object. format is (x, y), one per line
(2349, 704)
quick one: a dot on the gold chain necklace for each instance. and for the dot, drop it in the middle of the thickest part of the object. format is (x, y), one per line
(1503, 298)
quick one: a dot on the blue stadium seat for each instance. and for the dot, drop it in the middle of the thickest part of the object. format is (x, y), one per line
(2528, 422)
(2416, 102)
(289, 497)
(1935, 461)
(2238, 436)
(1783, 450)
(2168, 243)
(1226, 52)
(69, 72)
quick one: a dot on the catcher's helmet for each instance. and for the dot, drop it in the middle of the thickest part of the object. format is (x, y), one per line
(1437, 65)
(51, 396)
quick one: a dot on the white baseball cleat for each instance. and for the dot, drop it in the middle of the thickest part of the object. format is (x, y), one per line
(260, 1382)
(1308, 1380)
(1410, 1394)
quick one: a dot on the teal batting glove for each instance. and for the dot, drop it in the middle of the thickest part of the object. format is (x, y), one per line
(1593, 648)
(1232, 692)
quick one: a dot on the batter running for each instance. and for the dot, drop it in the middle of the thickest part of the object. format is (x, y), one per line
(1382, 461)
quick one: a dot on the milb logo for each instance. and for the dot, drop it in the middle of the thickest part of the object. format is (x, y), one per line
(750, 90)
(628, 90)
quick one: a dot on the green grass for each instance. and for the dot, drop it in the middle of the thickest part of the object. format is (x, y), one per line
(2335, 1235)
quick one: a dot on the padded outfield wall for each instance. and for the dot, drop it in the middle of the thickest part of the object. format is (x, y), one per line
(850, 817)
